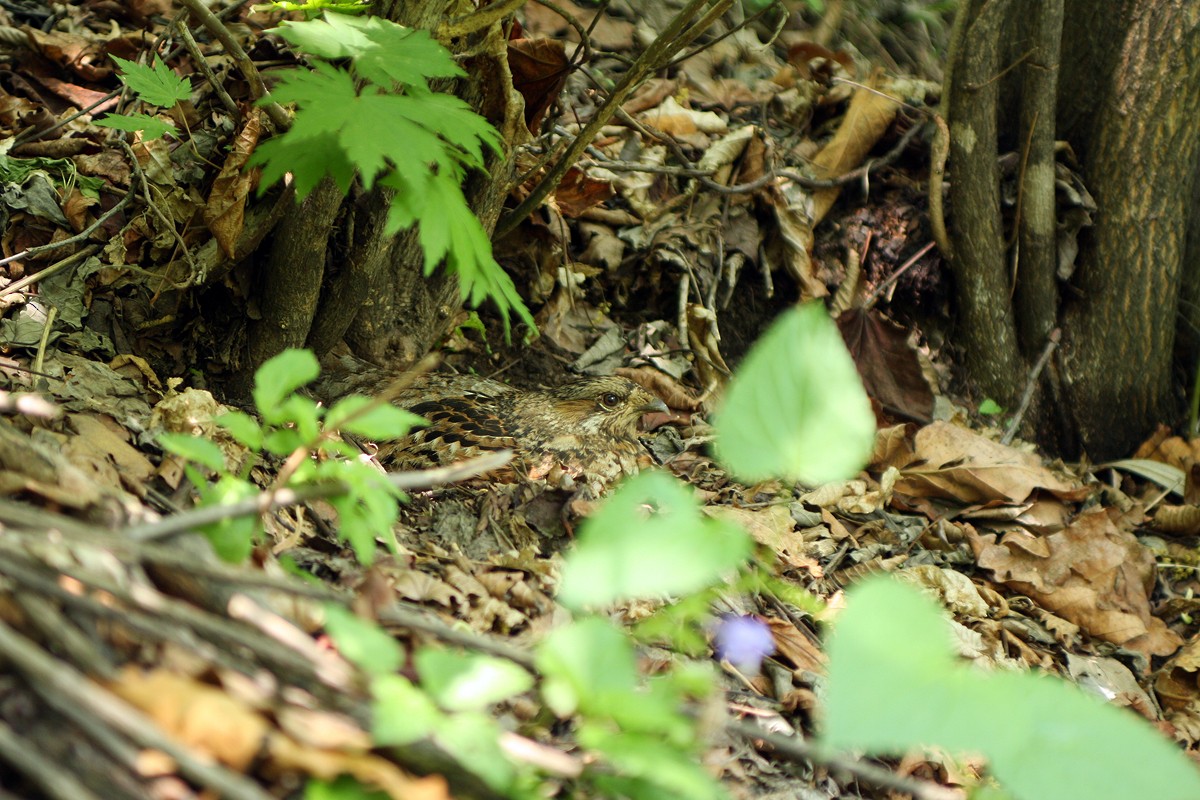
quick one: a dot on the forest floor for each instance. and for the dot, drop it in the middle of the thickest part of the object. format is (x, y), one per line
(638, 266)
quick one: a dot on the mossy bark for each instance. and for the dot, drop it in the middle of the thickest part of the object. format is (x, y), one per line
(1129, 107)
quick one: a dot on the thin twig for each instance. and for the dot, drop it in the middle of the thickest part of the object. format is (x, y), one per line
(217, 28)
(700, 48)
(52, 246)
(583, 52)
(425, 622)
(393, 390)
(158, 624)
(1010, 433)
(649, 169)
(475, 21)
(676, 36)
(53, 269)
(890, 279)
(704, 176)
(70, 693)
(796, 749)
(43, 770)
(279, 498)
(33, 134)
(218, 87)
(169, 224)
(39, 359)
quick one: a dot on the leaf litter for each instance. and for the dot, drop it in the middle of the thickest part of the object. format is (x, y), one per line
(651, 259)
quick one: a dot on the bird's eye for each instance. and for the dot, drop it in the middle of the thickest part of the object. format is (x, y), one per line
(610, 400)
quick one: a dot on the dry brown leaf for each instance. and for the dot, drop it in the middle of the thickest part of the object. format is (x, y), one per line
(1178, 682)
(891, 448)
(871, 112)
(685, 123)
(603, 247)
(224, 213)
(888, 365)
(371, 770)
(499, 582)
(706, 342)
(578, 191)
(324, 730)
(1162, 446)
(1178, 520)
(75, 208)
(1091, 573)
(492, 614)
(19, 106)
(412, 584)
(952, 462)
(609, 32)
(80, 54)
(199, 716)
(539, 71)
(1063, 630)
(796, 646)
(97, 446)
(953, 590)
(776, 531)
(28, 466)
(791, 244)
(772, 526)
(649, 94)
(571, 324)
(1112, 680)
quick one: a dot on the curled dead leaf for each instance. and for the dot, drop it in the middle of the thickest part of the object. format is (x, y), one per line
(1091, 573)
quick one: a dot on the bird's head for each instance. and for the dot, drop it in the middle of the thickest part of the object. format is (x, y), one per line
(606, 405)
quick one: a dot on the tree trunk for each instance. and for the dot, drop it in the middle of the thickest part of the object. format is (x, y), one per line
(330, 273)
(989, 332)
(1129, 107)
(1140, 166)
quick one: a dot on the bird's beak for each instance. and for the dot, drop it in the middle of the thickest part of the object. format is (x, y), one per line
(655, 405)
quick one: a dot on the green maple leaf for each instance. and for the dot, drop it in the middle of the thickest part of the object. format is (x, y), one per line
(381, 122)
(450, 231)
(151, 127)
(157, 85)
(383, 53)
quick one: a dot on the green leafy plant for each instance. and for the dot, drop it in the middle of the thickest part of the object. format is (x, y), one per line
(296, 427)
(646, 742)
(377, 119)
(896, 685)
(990, 408)
(155, 85)
(796, 408)
(54, 171)
(313, 8)
(652, 520)
(450, 704)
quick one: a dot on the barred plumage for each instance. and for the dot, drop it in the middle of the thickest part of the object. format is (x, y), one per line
(587, 428)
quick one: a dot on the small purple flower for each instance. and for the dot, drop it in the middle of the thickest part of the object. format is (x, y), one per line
(743, 642)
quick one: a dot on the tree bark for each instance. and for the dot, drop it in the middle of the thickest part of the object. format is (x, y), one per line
(981, 282)
(1140, 167)
(1036, 290)
(1128, 105)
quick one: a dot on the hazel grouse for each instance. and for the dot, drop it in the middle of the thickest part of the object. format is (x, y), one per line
(587, 428)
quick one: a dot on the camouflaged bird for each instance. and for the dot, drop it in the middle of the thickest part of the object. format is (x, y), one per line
(587, 428)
